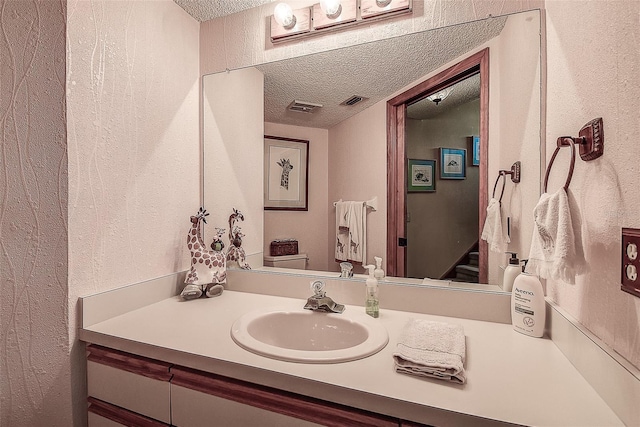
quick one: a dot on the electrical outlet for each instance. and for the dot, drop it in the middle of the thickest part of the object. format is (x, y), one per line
(630, 261)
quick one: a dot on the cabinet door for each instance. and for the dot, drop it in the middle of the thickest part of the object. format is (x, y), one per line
(193, 408)
(200, 398)
(135, 383)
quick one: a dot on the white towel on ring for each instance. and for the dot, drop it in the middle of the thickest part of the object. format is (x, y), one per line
(492, 230)
(432, 349)
(556, 246)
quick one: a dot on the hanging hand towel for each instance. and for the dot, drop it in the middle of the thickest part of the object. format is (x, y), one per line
(556, 246)
(492, 231)
(342, 230)
(357, 249)
(431, 349)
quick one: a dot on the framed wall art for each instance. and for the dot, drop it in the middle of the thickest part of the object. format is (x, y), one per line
(453, 163)
(475, 149)
(421, 176)
(286, 173)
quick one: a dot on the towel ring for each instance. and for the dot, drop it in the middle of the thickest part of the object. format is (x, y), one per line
(562, 142)
(504, 182)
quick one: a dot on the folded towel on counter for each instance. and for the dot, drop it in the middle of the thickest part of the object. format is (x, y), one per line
(556, 246)
(492, 230)
(432, 349)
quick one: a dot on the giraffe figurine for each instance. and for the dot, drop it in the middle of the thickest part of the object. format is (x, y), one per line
(236, 254)
(208, 270)
(286, 166)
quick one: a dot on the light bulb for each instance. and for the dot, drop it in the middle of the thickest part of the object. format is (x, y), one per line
(284, 16)
(383, 3)
(331, 8)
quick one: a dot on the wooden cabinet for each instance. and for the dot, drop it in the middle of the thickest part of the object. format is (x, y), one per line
(128, 385)
(129, 390)
(198, 397)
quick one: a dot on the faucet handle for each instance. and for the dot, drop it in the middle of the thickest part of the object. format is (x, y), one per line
(317, 286)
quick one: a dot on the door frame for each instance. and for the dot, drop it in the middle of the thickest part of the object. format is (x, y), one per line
(396, 157)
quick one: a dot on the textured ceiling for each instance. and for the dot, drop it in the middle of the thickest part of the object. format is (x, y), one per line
(374, 70)
(203, 10)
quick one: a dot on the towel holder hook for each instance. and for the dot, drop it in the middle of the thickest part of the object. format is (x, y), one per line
(590, 139)
(515, 178)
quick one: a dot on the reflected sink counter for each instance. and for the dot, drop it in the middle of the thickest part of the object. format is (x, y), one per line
(512, 378)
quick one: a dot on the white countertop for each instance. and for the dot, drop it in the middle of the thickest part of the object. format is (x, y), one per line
(511, 377)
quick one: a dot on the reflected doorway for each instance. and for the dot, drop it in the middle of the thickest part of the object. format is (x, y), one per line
(443, 182)
(400, 149)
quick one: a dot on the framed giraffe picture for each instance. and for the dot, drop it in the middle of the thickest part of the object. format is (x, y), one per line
(286, 173)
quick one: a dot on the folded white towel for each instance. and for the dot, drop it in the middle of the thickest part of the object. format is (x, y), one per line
(492, 230)
(556, 246)
(432, 349)
(342, 230)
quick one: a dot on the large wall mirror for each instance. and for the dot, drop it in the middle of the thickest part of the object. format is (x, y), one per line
(348, 139)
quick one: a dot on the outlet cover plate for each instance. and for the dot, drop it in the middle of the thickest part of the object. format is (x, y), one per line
(630, 261)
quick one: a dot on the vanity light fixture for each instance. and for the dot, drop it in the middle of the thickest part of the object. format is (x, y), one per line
(284, 16)
(440, 95)
(334, 13)
(287, 24)
(331, 8)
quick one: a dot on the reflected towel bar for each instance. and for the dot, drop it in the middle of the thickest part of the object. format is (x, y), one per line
(372, 203)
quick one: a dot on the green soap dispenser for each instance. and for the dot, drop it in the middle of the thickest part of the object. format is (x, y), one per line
(371, 304)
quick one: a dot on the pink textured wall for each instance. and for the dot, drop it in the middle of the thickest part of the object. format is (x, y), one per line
(594, 71)
(134, 174)
(97, 186)
(34, 370)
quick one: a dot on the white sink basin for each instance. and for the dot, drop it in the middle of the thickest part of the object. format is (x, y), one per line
(309, 336)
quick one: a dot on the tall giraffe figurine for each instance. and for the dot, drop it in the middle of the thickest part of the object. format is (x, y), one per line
(236, 254)
(208, 268)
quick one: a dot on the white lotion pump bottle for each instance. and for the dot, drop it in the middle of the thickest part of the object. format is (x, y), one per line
(378, 273)
(371, 304)
(511, 272)
(528, 305)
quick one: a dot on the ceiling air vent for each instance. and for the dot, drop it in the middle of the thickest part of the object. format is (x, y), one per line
(353, 100)
(303, 106)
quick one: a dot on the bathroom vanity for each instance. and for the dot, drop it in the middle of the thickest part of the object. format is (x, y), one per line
(158, 360)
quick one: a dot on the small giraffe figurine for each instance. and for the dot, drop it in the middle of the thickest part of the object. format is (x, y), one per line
(286, 166)
(236, 252)
(208, 268)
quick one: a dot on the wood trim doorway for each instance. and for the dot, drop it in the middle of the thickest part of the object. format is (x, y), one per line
(396, 157)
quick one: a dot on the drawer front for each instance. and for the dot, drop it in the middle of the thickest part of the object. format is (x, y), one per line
(96, 420)
(193, 408)
(103, 414)
(137, 393)
(215, 397)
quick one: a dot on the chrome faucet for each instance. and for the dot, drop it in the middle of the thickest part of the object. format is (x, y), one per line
(320, 302)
